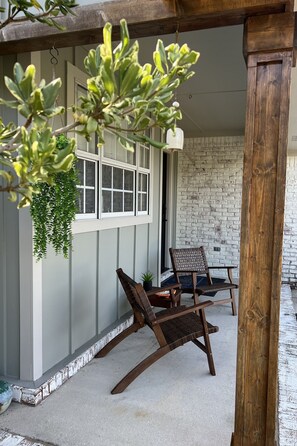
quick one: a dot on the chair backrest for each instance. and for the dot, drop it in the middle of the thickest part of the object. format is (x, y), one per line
(138, 300)
(188, 259)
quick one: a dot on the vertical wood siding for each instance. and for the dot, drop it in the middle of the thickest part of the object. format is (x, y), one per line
(9, 266)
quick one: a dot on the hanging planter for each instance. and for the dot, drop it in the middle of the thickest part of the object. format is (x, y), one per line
(53, 210)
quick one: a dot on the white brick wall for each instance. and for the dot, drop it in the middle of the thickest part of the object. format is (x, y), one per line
(209, 201)
(209, 197)
(290, 228)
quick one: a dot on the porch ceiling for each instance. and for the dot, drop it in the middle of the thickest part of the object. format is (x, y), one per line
(213, 101)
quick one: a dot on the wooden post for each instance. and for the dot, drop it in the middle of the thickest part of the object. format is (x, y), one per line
(269, 52)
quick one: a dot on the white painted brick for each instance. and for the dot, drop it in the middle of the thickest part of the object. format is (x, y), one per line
(209, 195)
(45, 391)
(17, 393)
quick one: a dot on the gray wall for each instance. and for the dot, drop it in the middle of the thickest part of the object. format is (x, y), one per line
(81, 296)
(9, 263)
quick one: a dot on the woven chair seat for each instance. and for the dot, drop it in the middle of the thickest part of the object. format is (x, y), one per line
(185, 329)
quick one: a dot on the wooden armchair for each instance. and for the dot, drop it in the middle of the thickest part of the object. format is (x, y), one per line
(172, 327)
(189, 263)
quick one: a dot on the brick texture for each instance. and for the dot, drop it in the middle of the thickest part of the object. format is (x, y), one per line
(209, 201)
(290, 228)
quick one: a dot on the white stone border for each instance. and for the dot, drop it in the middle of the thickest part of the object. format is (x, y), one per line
(35, 396)
(8, 439)
(287, 366)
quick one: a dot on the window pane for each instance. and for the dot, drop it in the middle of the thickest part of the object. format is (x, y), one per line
(118, 202)
(80, 201)
(81, 143)
(144, 204)
(109, 150)
(90, 201)
(106, 201)
(117, 178)
(90, 173)
(131, 157)
(147, 158)
(80, 168)
(144, 183)
(128, 180)
(106, 176)
(128, 201)
(139, 203)
(121, 153)
(144, 157)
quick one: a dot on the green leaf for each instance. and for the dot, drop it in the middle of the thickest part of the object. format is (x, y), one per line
(18, 167)
(50, 92)
(13, 88)
(108, 76)
(18, 72)
(6, 175)
(92, 125)
(26, 85)
(107, 47)
(130, 79)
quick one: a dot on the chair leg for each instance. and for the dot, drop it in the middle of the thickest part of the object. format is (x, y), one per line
(120, 337)
(233, 302)
(141, 367)
(208, 350)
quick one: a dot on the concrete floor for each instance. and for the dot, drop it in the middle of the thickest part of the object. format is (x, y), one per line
(175, 402)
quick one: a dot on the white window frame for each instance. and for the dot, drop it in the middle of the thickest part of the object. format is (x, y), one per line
(82, 156)
(93, 222)
(123, 167)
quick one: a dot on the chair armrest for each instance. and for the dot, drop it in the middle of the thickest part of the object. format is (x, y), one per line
(187, 271)
(222, 267)
(182, 312)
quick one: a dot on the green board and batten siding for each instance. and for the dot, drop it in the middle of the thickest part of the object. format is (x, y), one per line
(79, 299)
(9, 266)
(81, 296)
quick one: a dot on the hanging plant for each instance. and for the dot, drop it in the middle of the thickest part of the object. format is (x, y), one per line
(53, 210)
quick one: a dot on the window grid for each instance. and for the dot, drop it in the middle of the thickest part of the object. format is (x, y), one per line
(83, 188)
(112, 191)
(112, 201)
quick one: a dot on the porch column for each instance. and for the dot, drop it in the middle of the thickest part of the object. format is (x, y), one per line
(268, 46)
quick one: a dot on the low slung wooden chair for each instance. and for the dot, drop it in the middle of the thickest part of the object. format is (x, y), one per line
(189, 263)
(172, 327)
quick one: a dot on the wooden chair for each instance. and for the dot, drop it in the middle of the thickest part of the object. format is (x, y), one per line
(172, 327)
(169, 301)
(189, 263)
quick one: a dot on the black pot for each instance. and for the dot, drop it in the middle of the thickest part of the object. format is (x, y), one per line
(148, 285)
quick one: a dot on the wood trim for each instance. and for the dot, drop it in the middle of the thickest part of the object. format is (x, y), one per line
(159, 18)
(269, 33)
(262, 232)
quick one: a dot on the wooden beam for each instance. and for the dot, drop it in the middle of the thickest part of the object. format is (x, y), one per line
(264, 181)
(269, 33)
(155, 17)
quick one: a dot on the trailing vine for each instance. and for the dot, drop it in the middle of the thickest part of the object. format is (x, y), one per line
(53, 210)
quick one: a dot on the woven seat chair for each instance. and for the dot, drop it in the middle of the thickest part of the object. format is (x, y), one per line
(172, 328)
(191, 263)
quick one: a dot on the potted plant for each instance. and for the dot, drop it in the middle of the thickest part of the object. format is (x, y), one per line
(147, 280)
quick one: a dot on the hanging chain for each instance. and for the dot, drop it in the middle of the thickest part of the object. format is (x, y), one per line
(175, 102)
(54, 52)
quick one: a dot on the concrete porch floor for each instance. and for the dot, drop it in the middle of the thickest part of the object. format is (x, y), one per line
(174, 402)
